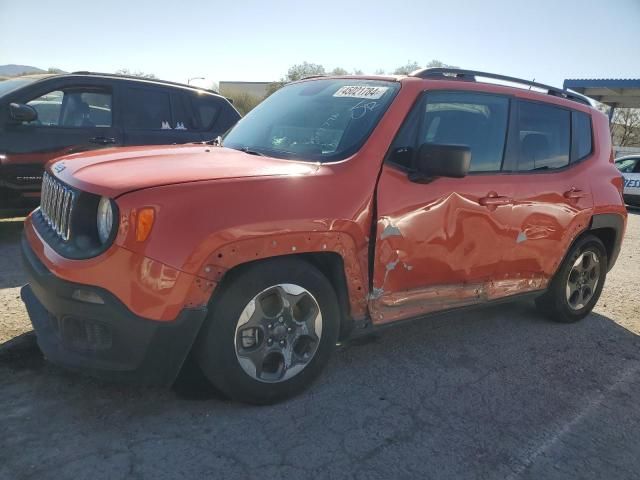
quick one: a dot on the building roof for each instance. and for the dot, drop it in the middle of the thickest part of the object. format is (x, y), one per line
(615, 92)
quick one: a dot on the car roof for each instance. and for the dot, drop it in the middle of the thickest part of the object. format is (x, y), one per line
(119, 77)
(508, 85)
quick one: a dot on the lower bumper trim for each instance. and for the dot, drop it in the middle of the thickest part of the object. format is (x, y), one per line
(105, 340)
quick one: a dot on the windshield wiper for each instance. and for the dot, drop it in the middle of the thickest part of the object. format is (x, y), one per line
(251, 152)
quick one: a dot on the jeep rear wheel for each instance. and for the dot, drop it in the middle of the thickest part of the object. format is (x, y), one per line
(577, 285)
(270, 331)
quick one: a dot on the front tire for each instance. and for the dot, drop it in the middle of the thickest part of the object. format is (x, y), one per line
(270, 331)
(578, 283)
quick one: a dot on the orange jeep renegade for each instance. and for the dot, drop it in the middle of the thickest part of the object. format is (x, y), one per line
(338, 205)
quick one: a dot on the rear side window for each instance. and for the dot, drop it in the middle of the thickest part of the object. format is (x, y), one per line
(581, 132)
(476, 120)
(543, 136)
(147, 109)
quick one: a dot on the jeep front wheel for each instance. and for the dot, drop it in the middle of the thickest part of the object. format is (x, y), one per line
(270, 331)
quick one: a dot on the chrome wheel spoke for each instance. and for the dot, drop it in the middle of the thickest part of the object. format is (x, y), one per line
(583, 280)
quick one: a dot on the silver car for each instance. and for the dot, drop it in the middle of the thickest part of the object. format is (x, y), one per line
(629, 166)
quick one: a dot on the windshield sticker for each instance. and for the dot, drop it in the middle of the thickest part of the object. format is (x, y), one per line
(165, 126)
(361, 92)
(180, 126)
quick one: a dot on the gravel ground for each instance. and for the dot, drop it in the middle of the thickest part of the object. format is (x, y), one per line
(496, 393)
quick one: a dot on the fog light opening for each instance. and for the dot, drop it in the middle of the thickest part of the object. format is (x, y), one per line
(87, 296)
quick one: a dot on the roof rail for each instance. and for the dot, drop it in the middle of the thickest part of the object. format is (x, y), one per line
(470, 76)
(134, 77)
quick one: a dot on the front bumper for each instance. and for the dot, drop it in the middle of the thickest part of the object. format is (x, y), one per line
(107, 339)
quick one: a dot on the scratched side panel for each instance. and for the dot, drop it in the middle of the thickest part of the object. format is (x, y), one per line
(436, 246)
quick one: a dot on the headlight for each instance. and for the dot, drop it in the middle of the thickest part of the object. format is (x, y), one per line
(105, 219)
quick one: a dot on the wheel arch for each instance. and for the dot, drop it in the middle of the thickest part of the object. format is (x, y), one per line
(609, 228)
(330, 264)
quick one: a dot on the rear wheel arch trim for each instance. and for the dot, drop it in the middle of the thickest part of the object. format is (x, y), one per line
(609, 221)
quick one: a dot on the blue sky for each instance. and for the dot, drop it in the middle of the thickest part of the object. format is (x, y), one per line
(259, 40)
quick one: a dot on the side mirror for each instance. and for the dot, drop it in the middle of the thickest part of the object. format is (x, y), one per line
(435, 160)
(22, 113)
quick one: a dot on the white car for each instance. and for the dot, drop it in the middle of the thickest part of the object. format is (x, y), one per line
(629, 166)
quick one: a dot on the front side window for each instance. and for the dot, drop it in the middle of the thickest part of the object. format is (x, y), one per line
(147, 109)
(478, 121)
(543, 136)
(74, 108)
(319, 120)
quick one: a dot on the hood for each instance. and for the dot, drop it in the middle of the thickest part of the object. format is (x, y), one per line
(115, 171)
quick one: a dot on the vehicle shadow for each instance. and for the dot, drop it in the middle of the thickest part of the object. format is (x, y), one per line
(498, 392)
(11, 271)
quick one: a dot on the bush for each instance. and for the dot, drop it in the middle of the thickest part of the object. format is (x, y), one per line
(243, 101)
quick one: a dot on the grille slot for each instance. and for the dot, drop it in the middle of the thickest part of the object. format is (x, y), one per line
(56, 205)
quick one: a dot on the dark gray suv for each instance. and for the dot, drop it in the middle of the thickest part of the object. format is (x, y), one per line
(45, 116)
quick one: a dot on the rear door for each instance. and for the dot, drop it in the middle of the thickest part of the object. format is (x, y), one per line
(552, 191)
(71, 118)
(156, 115)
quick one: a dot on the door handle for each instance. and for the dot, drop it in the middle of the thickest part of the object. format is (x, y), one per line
(494, 200)
(574, 193)
(102, 140)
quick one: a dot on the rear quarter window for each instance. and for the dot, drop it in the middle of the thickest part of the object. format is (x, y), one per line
(207, 109)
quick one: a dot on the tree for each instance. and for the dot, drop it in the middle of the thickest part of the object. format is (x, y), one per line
(54, 70)
(380, 71)
(357, 71)
(413, 66)
(296, 72)
(339, 71)
(243, 101)
(439, 64)
(137, 73)
(626, 127)
(406, 69)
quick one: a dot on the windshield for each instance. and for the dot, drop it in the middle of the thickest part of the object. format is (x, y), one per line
(320, 120)
(15, 83)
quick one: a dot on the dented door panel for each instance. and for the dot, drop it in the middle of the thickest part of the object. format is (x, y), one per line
(550, 210)
(436, 246)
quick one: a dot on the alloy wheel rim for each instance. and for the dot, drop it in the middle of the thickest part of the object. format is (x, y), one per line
(583, 280)
(278, 333)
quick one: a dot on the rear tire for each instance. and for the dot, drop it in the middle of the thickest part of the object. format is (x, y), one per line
(578, 283)
(270, 331)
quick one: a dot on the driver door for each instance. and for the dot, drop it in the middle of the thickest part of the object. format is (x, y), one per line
(70, 119)
(439, 244)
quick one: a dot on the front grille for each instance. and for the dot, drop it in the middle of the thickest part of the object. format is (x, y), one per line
(56, 204)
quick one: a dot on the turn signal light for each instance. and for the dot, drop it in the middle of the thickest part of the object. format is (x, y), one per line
(144, 222)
